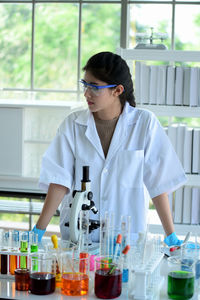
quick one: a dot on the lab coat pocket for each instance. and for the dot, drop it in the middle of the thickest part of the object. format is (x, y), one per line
(130, 168)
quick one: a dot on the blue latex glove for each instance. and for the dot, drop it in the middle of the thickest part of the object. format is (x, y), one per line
(172, 240)
(40, 232)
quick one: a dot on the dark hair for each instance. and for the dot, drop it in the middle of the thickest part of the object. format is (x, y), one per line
(112, 69)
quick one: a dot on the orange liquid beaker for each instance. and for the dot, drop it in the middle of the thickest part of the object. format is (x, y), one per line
(75, 284)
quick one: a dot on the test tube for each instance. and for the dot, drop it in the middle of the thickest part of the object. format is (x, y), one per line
(83, 239)
(125, 230)
(33, 242)
(23, 249)
(104, 235)
(14, 244)
(4, 257)
(111, 234)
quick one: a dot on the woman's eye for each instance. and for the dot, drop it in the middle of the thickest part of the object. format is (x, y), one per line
(95, 88)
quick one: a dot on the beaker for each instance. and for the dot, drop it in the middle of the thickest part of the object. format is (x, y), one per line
(22, 279)
(64, 246)
(42, 273)
(181, 277)
(75, 275)
(108, 277)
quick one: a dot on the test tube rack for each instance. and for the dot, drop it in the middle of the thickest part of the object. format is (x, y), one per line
(147, 280)
(9, 252)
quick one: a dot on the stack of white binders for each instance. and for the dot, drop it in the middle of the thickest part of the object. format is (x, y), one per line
(186, 142)
(167, 85)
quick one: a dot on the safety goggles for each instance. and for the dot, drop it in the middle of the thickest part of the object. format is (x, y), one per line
(95, 89)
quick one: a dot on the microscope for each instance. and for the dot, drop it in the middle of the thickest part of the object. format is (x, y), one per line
(82, 201)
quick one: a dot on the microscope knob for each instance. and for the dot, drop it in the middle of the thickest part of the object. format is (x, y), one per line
(90, 195)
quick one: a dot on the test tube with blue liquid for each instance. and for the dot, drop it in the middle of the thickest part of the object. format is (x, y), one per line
(125, 262)
(107, 234)
(126, 231)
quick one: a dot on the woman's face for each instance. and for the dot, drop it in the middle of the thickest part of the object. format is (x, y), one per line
(105, 102)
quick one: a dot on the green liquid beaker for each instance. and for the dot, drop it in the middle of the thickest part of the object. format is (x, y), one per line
(181, 278)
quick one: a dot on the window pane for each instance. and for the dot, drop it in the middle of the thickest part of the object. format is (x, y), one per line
(100, 29)
(56, 44)
(145, 16)
(187, 34)
(15, 45)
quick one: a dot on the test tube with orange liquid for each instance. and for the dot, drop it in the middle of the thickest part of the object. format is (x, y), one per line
(14, 244)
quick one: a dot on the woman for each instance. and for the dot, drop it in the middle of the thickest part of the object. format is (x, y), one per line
(127, 150)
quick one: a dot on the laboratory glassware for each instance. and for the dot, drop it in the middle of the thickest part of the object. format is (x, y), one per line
(42, 278)
(181, 277)
(108, 277)
(75, 275)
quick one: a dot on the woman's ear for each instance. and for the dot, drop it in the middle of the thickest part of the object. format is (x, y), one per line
(118, 90)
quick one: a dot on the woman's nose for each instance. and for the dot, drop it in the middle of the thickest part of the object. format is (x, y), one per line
(87, 92)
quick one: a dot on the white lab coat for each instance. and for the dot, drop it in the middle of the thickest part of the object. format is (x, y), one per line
(140, 159)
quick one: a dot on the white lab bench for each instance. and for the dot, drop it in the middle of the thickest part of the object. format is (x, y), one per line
(8, 291)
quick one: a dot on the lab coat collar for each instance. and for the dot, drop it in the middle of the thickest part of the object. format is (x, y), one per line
(129, 116)
(85, 117)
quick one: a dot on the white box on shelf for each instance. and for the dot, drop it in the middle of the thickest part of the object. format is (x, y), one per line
(170, 85)
(179, 86)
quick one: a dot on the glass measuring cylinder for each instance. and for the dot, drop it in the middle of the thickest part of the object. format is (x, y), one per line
(75, 277)
(108, 278)
(181, 278)
(42, 278)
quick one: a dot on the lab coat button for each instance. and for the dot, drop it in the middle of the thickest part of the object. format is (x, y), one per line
(105, 170)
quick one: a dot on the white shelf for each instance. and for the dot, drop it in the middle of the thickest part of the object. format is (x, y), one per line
(167, 110)
(193, 180)
(160, 55)
(41, 104)
(180, 229)
(37, 142)
(19, 184)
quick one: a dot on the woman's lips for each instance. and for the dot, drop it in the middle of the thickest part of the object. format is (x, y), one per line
(90, 103)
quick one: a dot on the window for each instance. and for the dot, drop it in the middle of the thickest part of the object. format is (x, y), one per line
(45, 44)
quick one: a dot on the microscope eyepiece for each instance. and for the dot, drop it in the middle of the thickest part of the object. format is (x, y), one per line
(86, 174)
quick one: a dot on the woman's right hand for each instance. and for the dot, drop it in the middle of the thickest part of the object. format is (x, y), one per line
(39, 232)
